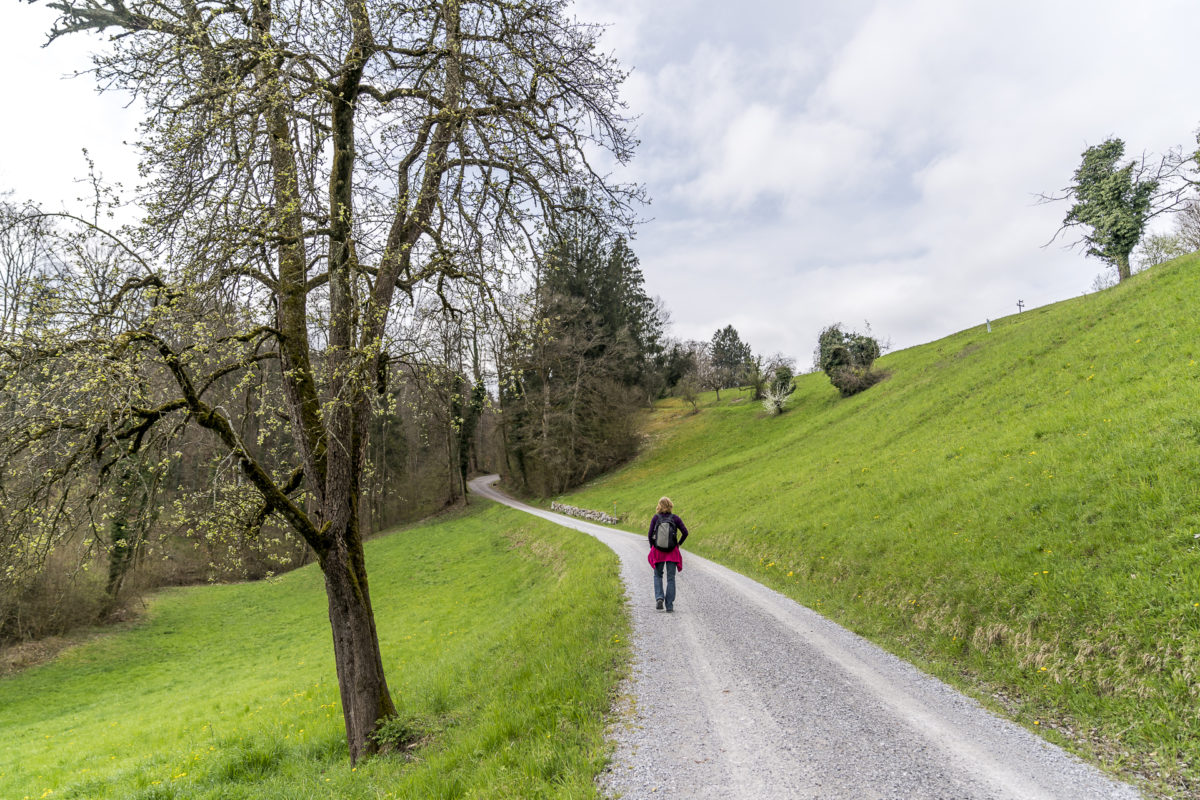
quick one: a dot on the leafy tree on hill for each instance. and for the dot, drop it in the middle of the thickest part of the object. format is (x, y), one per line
(847, 357)
(676, 360)
(762, 373)
(688, 388)
(692, 369)
(758, 377)
(1112, 202)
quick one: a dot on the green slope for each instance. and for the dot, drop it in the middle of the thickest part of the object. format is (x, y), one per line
(1016, 511)
(503, 640)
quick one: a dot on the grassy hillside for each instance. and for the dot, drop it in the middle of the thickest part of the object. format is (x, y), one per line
(502, 638)
(1016, 511)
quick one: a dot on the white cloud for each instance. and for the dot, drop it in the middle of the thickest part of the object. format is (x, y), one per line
(762, 151)
(51, 117)
(895, 181)
(810, 162)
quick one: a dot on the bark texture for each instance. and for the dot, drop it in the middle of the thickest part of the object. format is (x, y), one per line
(363, 686)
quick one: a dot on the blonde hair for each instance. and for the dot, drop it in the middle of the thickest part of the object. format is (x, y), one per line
(665, 505)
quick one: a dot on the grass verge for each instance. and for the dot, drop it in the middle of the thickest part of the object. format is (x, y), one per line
(503, 637)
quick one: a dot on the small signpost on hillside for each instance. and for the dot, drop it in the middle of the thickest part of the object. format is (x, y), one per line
(1020, 306)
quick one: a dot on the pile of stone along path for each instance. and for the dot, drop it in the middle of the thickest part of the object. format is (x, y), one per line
(584, 513)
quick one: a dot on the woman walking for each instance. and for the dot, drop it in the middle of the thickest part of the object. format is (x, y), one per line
(667, 533)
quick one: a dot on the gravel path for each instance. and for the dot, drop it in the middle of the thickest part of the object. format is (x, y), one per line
(744, 693)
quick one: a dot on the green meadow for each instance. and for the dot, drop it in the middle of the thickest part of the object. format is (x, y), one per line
(503, 640)
(1017, 512)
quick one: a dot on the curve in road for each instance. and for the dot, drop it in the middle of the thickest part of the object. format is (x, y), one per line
(744, 693)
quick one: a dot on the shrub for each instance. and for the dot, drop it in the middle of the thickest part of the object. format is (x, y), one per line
(758, 378)
(847, 357)
(779, 390)
(53, 601)
(403, 735)
(852, 380)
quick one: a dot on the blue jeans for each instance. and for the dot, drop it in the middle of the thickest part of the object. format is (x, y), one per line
(669, 596)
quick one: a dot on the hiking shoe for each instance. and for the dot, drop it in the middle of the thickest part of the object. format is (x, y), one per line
(670, 609)
(658, 604)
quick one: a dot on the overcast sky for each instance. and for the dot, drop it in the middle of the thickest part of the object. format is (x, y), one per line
(809, 161)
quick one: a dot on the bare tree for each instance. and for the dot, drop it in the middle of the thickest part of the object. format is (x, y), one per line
(319, 164)
(1187, 225)
(20, 260)
(689, 389)
(1158, 248)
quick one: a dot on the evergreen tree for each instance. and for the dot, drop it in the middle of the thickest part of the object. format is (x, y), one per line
(730, 357)
(585, 265)
(586, 364)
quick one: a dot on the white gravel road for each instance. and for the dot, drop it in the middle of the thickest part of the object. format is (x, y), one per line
(744, 693)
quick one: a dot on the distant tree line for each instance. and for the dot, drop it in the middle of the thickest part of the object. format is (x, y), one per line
(94, 510)
(726, 361)
(542, 385)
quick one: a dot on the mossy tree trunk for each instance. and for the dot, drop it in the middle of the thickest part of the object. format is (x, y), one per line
(1121, 260)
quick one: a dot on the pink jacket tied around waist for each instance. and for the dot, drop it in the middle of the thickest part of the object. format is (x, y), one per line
(657, 556)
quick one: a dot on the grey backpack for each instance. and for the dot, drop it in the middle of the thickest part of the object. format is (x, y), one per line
(665, 535)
